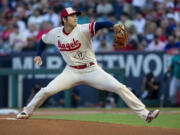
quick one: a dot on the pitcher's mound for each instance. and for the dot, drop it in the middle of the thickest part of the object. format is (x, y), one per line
(11, 126)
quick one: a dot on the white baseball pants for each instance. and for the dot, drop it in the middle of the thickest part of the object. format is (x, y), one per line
(93, 76)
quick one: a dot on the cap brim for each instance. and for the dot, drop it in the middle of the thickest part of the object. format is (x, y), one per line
(78, 13)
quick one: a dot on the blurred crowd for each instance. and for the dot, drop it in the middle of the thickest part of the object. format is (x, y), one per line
(153, 25)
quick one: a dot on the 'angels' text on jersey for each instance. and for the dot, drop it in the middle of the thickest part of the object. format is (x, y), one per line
(75, 44)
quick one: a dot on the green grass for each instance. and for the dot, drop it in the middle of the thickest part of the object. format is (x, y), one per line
(113, 109)
(164, 120)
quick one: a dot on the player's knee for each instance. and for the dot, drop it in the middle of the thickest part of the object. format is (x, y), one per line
(46, 92)
(120, 88)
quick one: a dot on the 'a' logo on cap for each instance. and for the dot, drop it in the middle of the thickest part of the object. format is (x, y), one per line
(70, 10)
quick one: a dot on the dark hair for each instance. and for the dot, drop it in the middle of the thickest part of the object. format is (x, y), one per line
(62, 20)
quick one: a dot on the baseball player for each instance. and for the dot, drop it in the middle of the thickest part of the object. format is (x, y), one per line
(74, 42)
(175, 82)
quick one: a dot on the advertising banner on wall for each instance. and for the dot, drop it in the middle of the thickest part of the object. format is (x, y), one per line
(136, 64)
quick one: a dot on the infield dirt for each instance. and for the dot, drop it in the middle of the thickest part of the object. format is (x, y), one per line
(10, 126)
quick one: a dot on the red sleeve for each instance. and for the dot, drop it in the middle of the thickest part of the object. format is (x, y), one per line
(92, 29)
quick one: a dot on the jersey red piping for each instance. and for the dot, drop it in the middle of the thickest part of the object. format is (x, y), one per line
(91, 28)
(65, 32)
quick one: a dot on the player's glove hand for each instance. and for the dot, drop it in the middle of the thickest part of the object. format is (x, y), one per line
(38, 60)
(121, 36)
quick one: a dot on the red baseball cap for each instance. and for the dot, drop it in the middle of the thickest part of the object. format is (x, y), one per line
(69, 11)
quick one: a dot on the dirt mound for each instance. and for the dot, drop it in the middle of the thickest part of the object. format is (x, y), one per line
(11, 126)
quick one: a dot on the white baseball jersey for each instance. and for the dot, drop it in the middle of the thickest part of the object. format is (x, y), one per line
(75, 47)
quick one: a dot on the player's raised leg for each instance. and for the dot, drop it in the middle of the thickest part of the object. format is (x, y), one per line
(65, 80)
(104, 81)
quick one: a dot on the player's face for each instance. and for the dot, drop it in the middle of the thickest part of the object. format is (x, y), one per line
(72, 20)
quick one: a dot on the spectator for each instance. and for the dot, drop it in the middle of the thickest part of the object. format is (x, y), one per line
(139, 23)
(2, 26)
(128, 47)
(160, 12)
(177, 32)
(110, 32)
(8, 16)
(35, 4)
(90, 6)
(21, 13)
(110, 101)
(76, 99)
(160, 33)
(101, 43)
(104, 8)
(78, 5)
(133, 46)
(45, 28)
(150, 87)
(7, 32)
(138, 5)
(52, 17)
(36, 18)
(66, 3)
(124, 19)
(156, 17)
(118, 8)
(29, 9)
(127, 6)
(171, 24)
(164, 26)
(21, 24)
(144, 44)
(175, 82)
(170, 9)
(132, 34)
(150, 29)
(83, 18)
(45, 7)
(32, 33)
(104, 46)
(156, 44)
(56, 6)
(75, 96)
(18, 40)
(5, 47)
(172, 45)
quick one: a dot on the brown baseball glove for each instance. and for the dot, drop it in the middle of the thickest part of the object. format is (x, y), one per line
(121, 36)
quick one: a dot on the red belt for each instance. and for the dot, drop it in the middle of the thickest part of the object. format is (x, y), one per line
(83, 66)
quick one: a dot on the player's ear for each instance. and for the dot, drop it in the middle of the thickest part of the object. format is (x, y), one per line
(63, 20)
